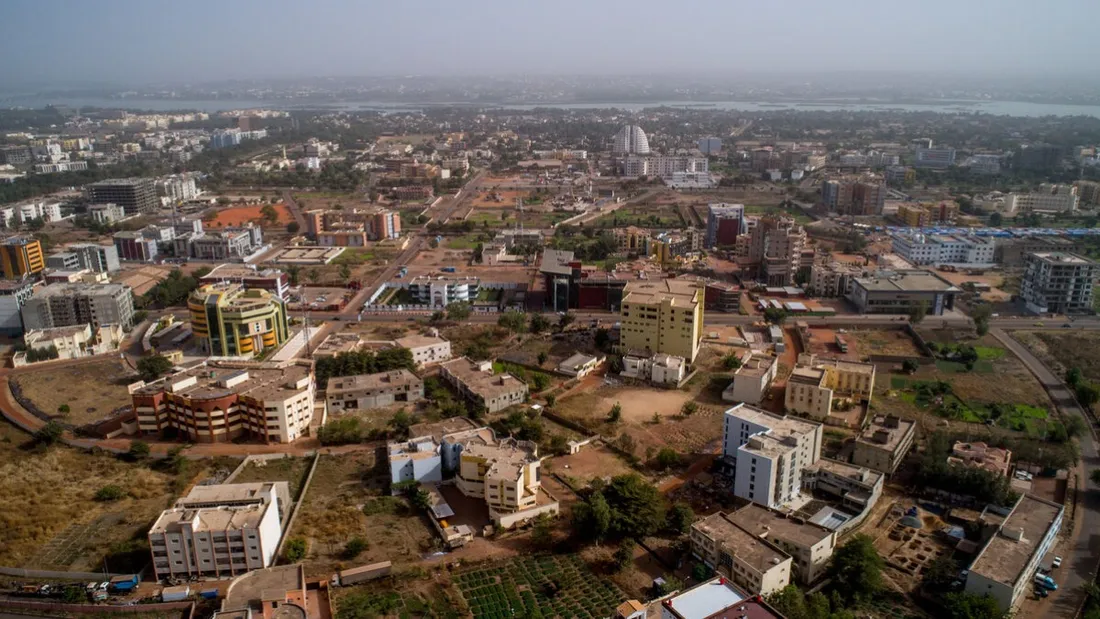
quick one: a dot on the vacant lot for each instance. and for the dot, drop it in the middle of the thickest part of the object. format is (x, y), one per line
(291, 470)
(332, 512)
(883, 342)
(592, 461)
(645, 216)
(50, 518)
(90, 390)
(542, 586)
(1066, 349)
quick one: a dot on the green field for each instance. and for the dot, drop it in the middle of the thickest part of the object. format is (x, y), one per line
(537, 587)
(466, 241)
(406, 605)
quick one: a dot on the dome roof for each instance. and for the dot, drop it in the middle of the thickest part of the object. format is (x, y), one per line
(631, 140)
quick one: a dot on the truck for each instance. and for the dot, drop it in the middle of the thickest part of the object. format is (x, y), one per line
(360, 574)
(448, 269)
(175, 594)
(124, 584)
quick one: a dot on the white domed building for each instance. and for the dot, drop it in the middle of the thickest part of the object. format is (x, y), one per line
(631, 140)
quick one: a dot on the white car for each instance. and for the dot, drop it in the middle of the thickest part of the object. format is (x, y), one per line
(1057, 562)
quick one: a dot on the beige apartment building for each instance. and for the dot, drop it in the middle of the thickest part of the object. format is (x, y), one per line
(775, 250)
(220, 531)
(752, 563)
(374, 390)
(663, 317)
(506, 474)
(883, 443)
(426, 349)
(816, 383)
(809, 545)
(476, 381)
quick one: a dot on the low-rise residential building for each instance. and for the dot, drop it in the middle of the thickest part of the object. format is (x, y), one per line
(716, 598)
(925, 214)
(659, 369)
(897, 292)
(767, 453)
(219, 531)
(475, 380)
(76, 341)
(662, 317)
(426, 349)
(136, 247)
(1058, 283)
(815, 383)
(858, 488)
(66, 305)
(980, 455)
(505, 474)
(884, 442)
(579, 365)
(833, 279)
(1049, 198)
(752, 380)
(95, 258)
(373, 390)
(1005, 568)
(222, 245)
(752, 563)
(809, 545)
(220, 402)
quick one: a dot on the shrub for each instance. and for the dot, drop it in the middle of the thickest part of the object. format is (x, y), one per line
(48, 434)
(295, 549)
(355, 547)
(109, 493)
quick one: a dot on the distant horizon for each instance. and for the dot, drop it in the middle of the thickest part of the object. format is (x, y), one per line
(141, 42)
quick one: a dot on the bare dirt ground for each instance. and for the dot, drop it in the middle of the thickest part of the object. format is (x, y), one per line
(241, 215)
(882, 342)
(592, 461)
(91, 391)
(993, 278)
(332, 513)
(1061, 351)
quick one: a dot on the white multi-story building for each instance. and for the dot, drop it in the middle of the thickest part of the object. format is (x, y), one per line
(106, 213)
(46, 211)
(181, 187)
(60, 166)
(631, 140)
(922, 249)
(219, 531)
(752, 380)
(1058, 283)
(440, 291)
(1049, 198)
(664, 165)
(767, 453)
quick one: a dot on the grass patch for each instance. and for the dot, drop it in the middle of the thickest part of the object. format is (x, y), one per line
(354, 257)
(954, 367)
(989, 353)
(466, 241)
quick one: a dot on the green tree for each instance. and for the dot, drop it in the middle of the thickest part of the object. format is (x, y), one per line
(543, 357)
(345, 273)
(401, 422)
(909, 366)
(624, 554)
(538, 323)
(775, 315)
(637, 508)
(269, 214)
(981, 315)
(615, 414)
(1073, 376)
(542, 536)
(1087, 394)
(689, 408)
(152, 367)
(293, 271)
(64, 409)
(355, 547)
(996, 220)
(917, 312)
(565, 320)
(1094, 476)
(856, 569)
(667, 458)
(458, 310)
(344, 431)
(513, 321)
(940, 572)
(550, 400)
(292, 228)
(313, 275)
(48, 434)
(420, 499)
(592, 518)
(295, 550)
(731, 361)
(962, 605)
(679, 518)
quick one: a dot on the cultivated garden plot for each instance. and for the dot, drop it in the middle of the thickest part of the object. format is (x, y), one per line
(542, 586)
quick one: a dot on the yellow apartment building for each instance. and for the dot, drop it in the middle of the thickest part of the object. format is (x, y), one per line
(814, 384)
(662, 317)
(21, 256)
(505, 474)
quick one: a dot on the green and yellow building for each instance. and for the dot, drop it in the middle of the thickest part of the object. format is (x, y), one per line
(230, 321)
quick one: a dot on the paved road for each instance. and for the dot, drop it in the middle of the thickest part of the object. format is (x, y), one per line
(1085, 547)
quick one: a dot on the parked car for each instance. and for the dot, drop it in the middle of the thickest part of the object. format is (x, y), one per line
(1057, 563)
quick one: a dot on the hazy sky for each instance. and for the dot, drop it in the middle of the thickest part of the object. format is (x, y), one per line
(143, 40)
